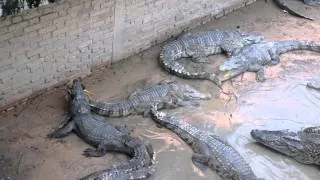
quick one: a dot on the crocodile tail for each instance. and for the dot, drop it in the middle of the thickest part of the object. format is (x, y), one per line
(168, 60)
(177, 69)
(120, 109)
(286, 46)
(140, 166)
(114, 173)
(283, 5)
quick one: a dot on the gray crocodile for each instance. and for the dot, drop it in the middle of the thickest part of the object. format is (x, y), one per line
(283, 5)
(168, 94)
(96, 132)
(254, 57)
(302, 145)
(210, 150)
(200, 44)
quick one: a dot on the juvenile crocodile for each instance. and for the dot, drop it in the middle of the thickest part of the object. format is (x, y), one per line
(283, 5)
(168, 94)
(210, 150)
(301, 145)
(96, 132)
(254, 57)
(200, 44)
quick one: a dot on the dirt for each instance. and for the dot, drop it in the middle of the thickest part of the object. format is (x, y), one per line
(281, 102)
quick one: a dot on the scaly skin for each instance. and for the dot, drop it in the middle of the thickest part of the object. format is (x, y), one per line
(96, 132)
(254, 57)
(303, 145)
(283, 5)
(310, 134)
(166, 94)
(210, 150)
(312, 2)
(200, 44)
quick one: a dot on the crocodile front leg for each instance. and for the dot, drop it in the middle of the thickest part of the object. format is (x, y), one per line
(275, 58)
(259, 70)
(63, 131)
(124, 129)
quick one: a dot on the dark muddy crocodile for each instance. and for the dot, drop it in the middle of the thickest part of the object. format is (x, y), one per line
(210, 150)
(200, 44)
(283, 5)
(254, 57)
(96, 132)
(302, 145)
(168, 94)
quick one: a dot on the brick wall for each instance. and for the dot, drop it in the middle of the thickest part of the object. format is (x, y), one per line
(43, 47)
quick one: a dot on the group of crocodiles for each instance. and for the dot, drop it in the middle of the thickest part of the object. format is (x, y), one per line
(245, 51)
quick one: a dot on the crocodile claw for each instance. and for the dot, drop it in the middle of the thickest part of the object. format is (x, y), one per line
(90, 152)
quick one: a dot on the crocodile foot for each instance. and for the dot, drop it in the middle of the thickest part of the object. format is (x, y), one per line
(90, 152)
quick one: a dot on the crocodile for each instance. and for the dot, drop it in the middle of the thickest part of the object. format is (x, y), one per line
(283, 5)
(197, 45)
(254, 57)
(167, 93)
(301, 145)
(104, 137)
(210, 150)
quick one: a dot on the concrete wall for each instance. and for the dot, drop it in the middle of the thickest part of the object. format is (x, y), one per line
(42, 47)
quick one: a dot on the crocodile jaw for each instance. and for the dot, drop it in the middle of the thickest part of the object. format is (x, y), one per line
(233, 67)
(283, 141)
(190, 93)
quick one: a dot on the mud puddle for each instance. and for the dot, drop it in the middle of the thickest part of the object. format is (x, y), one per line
(282, 101)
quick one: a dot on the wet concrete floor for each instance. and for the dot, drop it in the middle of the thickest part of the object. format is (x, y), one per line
(281, 102)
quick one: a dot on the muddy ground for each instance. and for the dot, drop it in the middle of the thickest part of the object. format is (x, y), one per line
(280, 102)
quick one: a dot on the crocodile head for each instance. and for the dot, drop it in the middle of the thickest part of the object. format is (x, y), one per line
(79, 98)
(188, 92)
(233, 67)
(285, 142)
(251, 38)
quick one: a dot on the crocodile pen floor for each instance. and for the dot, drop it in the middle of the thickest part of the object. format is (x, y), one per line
(281, 102)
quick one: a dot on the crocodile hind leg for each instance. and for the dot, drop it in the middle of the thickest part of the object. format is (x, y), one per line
(104, 147)
(201, 156)
(124, 129)
(198, 54)
(63, 131)
(200, 59)
(200, 161)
